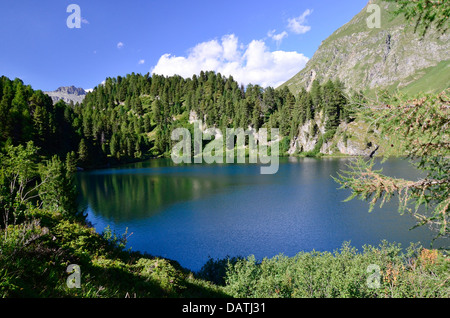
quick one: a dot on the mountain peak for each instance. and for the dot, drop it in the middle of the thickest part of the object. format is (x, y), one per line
(71, 90)
(68, 94)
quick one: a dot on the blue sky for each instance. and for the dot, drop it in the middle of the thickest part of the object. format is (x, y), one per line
(262, 42)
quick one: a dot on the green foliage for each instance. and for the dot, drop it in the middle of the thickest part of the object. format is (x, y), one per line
(34, 257)
(161, 271)
(426, 13)
(57, 190)
(18, 181)
(342, 274)
(420, 124)
(25, 182)
(28, 115)
(131, 118)
(284, 146)
(215, 270)
(114, 239)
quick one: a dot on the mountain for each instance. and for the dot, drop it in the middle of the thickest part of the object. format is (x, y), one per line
(67, 94)
(391, 57)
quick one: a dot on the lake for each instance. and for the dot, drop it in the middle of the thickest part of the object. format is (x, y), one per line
(189, 213)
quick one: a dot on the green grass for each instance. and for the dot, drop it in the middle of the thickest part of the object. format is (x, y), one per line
(358, 23)
(435, 80)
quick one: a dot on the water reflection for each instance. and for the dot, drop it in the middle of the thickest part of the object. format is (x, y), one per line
(190, 212)
(147, 188)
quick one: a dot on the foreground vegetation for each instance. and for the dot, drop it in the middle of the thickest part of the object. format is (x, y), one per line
(376, 272)
(35, 255)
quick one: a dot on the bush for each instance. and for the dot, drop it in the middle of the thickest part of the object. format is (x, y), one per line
(161, 271)
(215, 271)
(344, 274)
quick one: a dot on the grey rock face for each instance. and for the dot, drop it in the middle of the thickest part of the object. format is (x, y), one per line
(68, 94)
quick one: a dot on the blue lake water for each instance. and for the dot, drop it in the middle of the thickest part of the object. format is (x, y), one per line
(189, 213)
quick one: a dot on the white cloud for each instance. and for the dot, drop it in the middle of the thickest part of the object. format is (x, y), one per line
(141, 62)
(120, 45)
(84, 20)
(277, 37)
(253, 63)
(297, 25)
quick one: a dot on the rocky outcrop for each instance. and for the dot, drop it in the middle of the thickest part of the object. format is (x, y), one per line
(68, 94)
(352, 139)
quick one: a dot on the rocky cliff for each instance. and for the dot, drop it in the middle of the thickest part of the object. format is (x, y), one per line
(353, 139)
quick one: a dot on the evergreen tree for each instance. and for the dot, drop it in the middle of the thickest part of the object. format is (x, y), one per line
(156, 111)
(419, 125)
(114, 146)
(82, 152)
(257, 112)
(316, 95)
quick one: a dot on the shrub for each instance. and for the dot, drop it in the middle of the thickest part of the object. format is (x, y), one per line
(161, 271)
(344, 274)
(215, 271)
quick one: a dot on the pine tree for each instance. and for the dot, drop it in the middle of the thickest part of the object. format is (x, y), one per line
(427, 14)
(138, 106)
(331, 104)
(316, 95)
(309, 107)
(114, 146)
(57, 190)
(256, 117)
(156, 111)
(82, 152)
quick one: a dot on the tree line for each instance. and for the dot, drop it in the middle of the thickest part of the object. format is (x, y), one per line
(132, 117)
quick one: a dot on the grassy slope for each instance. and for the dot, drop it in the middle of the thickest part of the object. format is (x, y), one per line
(434, 80)
(34, 265)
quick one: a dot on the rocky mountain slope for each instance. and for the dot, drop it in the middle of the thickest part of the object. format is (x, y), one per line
(391, 57)
(68, 94)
